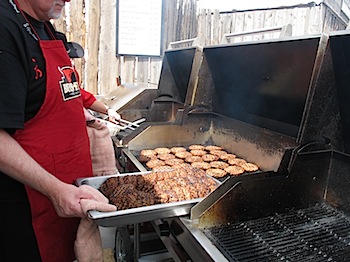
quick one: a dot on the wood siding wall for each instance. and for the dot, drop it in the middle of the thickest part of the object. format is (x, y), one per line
(92, 23)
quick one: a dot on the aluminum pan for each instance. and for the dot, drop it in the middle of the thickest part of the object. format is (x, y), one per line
(135, 215)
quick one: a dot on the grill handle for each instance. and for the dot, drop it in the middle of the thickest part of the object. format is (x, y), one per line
(313, 144)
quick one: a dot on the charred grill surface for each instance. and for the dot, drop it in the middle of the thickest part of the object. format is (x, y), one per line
(317, 233)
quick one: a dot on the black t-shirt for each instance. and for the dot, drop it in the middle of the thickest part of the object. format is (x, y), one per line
(22, 68)
(22, 74)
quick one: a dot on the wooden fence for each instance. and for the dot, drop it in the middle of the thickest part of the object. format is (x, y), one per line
(92, 23)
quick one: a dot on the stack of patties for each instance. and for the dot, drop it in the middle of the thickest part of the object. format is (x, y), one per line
(214, 160)
(157, 187)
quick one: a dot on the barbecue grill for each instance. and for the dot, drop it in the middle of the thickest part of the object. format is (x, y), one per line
(300, 212)
(276, 104)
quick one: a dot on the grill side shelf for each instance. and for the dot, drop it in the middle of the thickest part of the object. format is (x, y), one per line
(224, 188)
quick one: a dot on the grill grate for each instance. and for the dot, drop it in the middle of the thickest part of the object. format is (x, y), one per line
(318, 233)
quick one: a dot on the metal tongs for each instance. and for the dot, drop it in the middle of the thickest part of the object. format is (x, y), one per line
(124, 124)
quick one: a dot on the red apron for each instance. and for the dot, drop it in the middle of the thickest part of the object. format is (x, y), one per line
(57, 139)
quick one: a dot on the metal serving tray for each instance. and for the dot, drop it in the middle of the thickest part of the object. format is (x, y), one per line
(136, 215)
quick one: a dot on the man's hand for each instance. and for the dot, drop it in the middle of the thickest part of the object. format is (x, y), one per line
(71, 201)
(98, 203)
(113, 116)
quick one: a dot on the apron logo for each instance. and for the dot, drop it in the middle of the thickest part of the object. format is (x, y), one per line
(69, 84)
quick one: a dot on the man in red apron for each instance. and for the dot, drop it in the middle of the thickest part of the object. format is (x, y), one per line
(51, 149)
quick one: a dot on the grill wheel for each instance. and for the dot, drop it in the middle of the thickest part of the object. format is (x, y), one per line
(123, 246)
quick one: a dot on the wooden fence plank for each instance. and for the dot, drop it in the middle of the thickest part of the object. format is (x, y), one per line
(109, 68)
(77, 33)
(128, 69)
(225, 26)
(316, 20)
(142, 69)
(216, 28)
(93, 40)
(155, 68)
(259, 23)
(209, 27)
(201, 27)
(179, 21)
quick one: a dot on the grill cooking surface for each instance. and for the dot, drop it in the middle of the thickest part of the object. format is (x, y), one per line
(318, 233)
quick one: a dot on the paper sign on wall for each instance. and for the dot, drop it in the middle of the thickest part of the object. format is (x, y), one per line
(139, 26)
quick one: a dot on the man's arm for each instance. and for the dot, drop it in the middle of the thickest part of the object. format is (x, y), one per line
(16, 163)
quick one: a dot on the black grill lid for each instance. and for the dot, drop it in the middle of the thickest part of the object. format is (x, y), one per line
(293, 86)
(264, 83)
(340, 47)
(176, 71)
